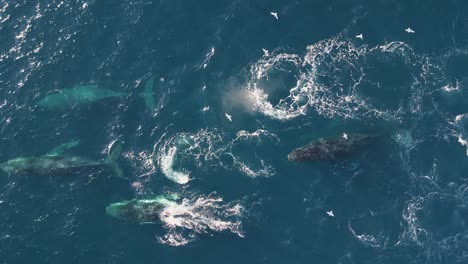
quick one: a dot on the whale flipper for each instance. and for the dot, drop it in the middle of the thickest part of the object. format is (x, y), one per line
(59, 150)
(115, 150)
(147, 95)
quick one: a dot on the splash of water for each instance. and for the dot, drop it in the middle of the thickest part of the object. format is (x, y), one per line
(167, 162)
(334, 78)
(199, 215)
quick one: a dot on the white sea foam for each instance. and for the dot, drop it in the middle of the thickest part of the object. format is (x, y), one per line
(413, 231)
(199, 215)
(166, 163)
(425, 186)
(208, 57)
(207, 148)
(295, 104)
(366, 239)
(143, 160)
(460, 130)
(331, 78)
(450, 88)
(463, 143)
(257, 135)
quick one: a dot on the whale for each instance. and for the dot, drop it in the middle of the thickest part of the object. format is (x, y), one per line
(76, 96)
(58, 163)
(331, 148)
(87, 94)
(141, 211)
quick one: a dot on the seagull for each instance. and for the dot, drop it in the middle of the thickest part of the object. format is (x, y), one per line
(360, 36)
(331, 214)
(274, 14)
(409, 30)
(228, 117)
(265, 52)
(345, 136)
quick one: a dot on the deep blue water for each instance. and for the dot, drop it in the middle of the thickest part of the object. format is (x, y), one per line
(235, 90)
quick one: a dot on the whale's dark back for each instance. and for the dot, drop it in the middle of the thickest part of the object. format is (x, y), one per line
(331, 148)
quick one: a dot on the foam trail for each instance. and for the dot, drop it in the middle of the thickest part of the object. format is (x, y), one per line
(199, 215)
(346, 94)
(207, 59)
(368, 240)
(207, 148)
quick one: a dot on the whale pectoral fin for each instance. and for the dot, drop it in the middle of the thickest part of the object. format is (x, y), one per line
(118, 171)
(59, 150)
(173, 197)
(115, 150)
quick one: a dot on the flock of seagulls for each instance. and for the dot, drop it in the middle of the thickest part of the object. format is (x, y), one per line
(361, 37)
(407, 30)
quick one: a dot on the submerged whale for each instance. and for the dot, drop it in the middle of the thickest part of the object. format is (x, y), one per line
(142, 211)
(331, 148)
(78, 95)
(56, 163)
(87, 94)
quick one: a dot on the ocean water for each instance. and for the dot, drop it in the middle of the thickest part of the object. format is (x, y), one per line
(234, 86)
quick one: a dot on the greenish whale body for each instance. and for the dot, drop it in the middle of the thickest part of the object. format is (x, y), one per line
(55, 163)
(331, 148)
(48, 165)
(88, 94)
(78, 95)
(141, 211)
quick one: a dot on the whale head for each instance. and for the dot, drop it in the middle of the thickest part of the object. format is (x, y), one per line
(139, 211)
(14, 166)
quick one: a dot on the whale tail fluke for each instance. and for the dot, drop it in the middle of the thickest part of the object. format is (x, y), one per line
(148, 96)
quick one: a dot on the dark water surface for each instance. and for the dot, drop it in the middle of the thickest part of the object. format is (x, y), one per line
(235, 90)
